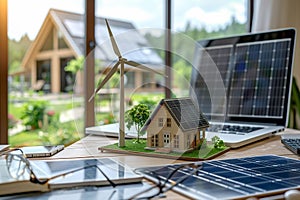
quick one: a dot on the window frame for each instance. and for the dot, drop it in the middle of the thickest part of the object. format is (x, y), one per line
(3, 73)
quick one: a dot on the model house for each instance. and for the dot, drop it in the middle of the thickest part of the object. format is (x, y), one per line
(61, 39)
(175, 125)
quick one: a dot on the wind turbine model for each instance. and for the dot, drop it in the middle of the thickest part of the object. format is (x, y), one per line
(122, 61)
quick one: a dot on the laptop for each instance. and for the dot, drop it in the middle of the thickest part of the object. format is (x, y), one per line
(242, 84)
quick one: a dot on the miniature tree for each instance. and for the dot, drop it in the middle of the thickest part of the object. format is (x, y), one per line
(137, 116)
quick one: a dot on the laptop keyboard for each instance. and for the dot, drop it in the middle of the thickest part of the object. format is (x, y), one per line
(232, 129)
(292, 144)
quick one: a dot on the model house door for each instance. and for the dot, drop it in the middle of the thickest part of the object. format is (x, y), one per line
(166, 139)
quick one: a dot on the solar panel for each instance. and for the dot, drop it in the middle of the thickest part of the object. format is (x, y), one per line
(234, 178)
(244, 78)
(186, 113)
(263, 67)
(212, 57)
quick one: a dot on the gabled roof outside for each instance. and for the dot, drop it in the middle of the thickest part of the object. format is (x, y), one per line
(132, 44)
(183, 110)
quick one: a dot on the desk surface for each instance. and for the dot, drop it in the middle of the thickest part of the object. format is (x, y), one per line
(88, 146)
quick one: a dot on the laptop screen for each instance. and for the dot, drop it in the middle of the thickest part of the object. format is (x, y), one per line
(245, 77)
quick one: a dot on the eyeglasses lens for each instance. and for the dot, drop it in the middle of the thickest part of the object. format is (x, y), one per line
(16, 165)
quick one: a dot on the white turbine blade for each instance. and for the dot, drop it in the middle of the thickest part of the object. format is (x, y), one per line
(138, 65)
(113, 41)
(107, 77)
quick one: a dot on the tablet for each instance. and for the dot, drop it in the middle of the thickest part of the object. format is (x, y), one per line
(41, 151)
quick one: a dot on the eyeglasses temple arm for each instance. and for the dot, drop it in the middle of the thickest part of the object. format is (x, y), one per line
(183, 178)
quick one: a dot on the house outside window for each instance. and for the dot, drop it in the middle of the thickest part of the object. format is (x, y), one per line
(160, 122)
(147, 79)
(130, 79)
(48, 45)
(44, 73)
(61, 42)
(168, 122)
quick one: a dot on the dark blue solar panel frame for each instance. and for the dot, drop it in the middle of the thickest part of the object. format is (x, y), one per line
(235, 178)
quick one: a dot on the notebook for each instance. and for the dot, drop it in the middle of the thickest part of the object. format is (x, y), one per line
(243, 83)
(86, 175)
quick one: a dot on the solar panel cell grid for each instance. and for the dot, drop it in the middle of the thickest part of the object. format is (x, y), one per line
(259, 68)
(216, 57)
(238, 177)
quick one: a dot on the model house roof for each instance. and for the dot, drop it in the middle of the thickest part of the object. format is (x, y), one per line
(131, 43)
(183, 110)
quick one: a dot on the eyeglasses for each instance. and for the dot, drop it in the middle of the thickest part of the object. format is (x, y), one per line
(17, 164)
(165, 184)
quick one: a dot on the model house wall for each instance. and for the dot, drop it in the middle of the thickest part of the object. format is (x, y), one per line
(165, 131)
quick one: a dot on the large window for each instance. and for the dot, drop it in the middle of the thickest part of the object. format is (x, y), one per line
(196, 20)
(42, 106)
(138, 27)
(44, 74)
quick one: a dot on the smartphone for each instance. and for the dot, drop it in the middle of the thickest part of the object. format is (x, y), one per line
(42, 151)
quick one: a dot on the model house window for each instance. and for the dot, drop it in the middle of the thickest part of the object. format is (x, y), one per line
(154, 140)
(160, 122)
(168, 122)
(176, 141)
(201, 134)
(166, 139)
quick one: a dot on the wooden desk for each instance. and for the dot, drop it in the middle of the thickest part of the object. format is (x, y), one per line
(88, 146)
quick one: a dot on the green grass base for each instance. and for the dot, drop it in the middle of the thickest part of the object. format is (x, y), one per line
(133, 147)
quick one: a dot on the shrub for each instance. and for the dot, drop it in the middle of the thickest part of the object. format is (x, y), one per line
(32, 113)
(59, 133)
(11, 121)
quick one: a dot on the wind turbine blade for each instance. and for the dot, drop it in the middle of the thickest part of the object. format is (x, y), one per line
(113, 41)
(138, 65)
(107, 77)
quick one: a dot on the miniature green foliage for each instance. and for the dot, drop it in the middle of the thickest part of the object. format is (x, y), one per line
(137, 116)
(217, 142)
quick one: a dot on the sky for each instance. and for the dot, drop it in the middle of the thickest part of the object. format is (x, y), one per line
(27, 16)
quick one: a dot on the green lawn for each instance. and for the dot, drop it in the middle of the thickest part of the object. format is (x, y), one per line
(131, 145)
(65, 133)
(54, 133)
(31, 138)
